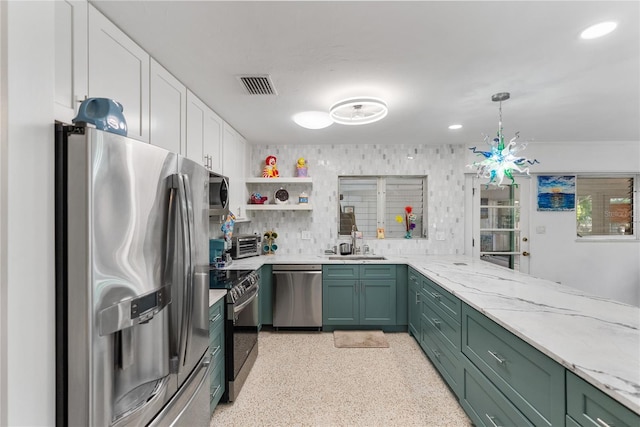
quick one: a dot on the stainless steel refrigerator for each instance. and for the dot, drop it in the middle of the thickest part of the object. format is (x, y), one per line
(132, 268)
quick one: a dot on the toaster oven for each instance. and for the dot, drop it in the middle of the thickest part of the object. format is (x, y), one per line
(245, 246)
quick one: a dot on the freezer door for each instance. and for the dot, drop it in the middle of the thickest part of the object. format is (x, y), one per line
(118, 323)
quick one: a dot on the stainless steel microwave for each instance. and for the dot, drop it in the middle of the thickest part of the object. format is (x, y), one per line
(218, 194)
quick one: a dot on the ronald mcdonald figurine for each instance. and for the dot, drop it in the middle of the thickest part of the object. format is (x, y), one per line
(270, 170)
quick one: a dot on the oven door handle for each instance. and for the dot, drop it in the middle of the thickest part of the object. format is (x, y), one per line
(237, 309)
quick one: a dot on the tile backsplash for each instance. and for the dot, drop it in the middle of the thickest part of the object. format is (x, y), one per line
(444, 165)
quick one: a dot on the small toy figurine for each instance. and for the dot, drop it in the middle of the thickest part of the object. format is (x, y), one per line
(301, 167)
(270, 170)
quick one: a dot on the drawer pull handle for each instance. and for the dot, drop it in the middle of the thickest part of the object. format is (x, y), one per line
(491, 420)
(215, 318)
(417, 297)
(437, 323)
(436, 353)
(495, 356)
(215, 351)
(436, 295)
(214, 392)
(602, 423)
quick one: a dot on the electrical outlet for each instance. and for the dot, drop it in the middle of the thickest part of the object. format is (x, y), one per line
(306, 235)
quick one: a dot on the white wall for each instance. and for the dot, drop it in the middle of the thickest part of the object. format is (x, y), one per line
(444, 165)
(610, 269)
(29, 286)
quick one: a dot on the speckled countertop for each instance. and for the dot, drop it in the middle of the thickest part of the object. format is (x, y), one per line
(596, 338)
(216, 295)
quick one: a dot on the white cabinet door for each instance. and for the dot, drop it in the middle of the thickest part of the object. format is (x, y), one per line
(204, 134)
(233, 166)
(196, 113)
(212, 143)
(119, 69)
(168, 109)
(70, 57)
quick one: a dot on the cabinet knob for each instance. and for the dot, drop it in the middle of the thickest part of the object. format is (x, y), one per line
(525, 253)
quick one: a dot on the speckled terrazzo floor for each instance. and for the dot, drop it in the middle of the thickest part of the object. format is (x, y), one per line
(301, 379)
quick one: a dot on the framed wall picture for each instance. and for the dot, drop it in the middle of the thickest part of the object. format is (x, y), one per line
(556, 192)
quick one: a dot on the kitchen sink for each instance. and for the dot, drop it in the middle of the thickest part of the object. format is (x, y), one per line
(357, 257)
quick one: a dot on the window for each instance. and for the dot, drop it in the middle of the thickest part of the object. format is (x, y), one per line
(372, 202)
(605, 206)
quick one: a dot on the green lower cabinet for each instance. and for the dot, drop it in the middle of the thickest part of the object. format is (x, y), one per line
(359, 295)
(587, 406)
(266, 296)
(442, 355)
(527, 378)
(414, 303)
(484, 403)
(216, 353)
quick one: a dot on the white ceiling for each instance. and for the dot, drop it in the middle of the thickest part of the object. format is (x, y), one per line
(435, 63)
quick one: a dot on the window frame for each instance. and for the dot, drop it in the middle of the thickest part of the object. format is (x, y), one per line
(635, 210)
(381, 204)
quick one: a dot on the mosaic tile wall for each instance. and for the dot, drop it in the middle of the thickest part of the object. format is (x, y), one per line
(444, 165)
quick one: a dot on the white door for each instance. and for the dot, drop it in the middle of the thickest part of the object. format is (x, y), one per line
(501, 223)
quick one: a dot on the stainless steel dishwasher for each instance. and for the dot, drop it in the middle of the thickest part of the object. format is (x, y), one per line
(297, 296)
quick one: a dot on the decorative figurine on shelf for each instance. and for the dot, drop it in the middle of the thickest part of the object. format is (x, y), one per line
(301, 168)
(270, 170)
(257, 199)
(409, 220)
(269, 246)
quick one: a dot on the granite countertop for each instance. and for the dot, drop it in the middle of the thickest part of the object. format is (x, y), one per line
(595, 338)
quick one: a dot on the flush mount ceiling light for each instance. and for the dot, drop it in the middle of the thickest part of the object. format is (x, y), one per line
(313, 119)
(598, 30)
(455, 127)
(358, 111)
(502, 160)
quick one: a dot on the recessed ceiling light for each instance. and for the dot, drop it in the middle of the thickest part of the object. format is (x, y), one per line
(598, 30)
(454, 127)
(313, 119)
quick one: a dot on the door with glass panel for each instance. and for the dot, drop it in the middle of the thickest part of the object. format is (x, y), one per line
(501, 223)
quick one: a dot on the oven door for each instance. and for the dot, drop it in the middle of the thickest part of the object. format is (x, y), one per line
(245, 331)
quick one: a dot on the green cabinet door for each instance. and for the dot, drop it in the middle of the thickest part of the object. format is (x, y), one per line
(377, 302)
(414, 304)
(340, 303)
(266, 296)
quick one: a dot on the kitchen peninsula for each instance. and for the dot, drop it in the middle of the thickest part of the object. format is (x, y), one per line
(596, 339)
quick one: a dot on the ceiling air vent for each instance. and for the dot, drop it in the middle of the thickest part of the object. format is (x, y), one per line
(258, 84)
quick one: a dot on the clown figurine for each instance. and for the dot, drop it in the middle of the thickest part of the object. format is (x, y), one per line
(270, 170)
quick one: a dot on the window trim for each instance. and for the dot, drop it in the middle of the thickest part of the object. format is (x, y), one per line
(635, 214)
(381, 202)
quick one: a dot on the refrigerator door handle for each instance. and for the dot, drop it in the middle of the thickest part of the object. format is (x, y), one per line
(185, 274)
(190, 253)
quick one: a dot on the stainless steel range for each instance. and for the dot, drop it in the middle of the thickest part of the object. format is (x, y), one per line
(241, 325)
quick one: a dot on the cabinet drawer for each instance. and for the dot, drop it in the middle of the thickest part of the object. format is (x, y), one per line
(444, 326)
(216, 388)
(528, 378)
(377, 271)
(485, 405)
(346, 271)
(216, 313)
(590, 407)
(441, 298)
(216, 343)
(442, 357)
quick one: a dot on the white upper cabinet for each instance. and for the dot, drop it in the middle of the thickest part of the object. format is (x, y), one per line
(168, 110)
(234, 165)
(70, 57)
(204, 134)
(119, 69)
